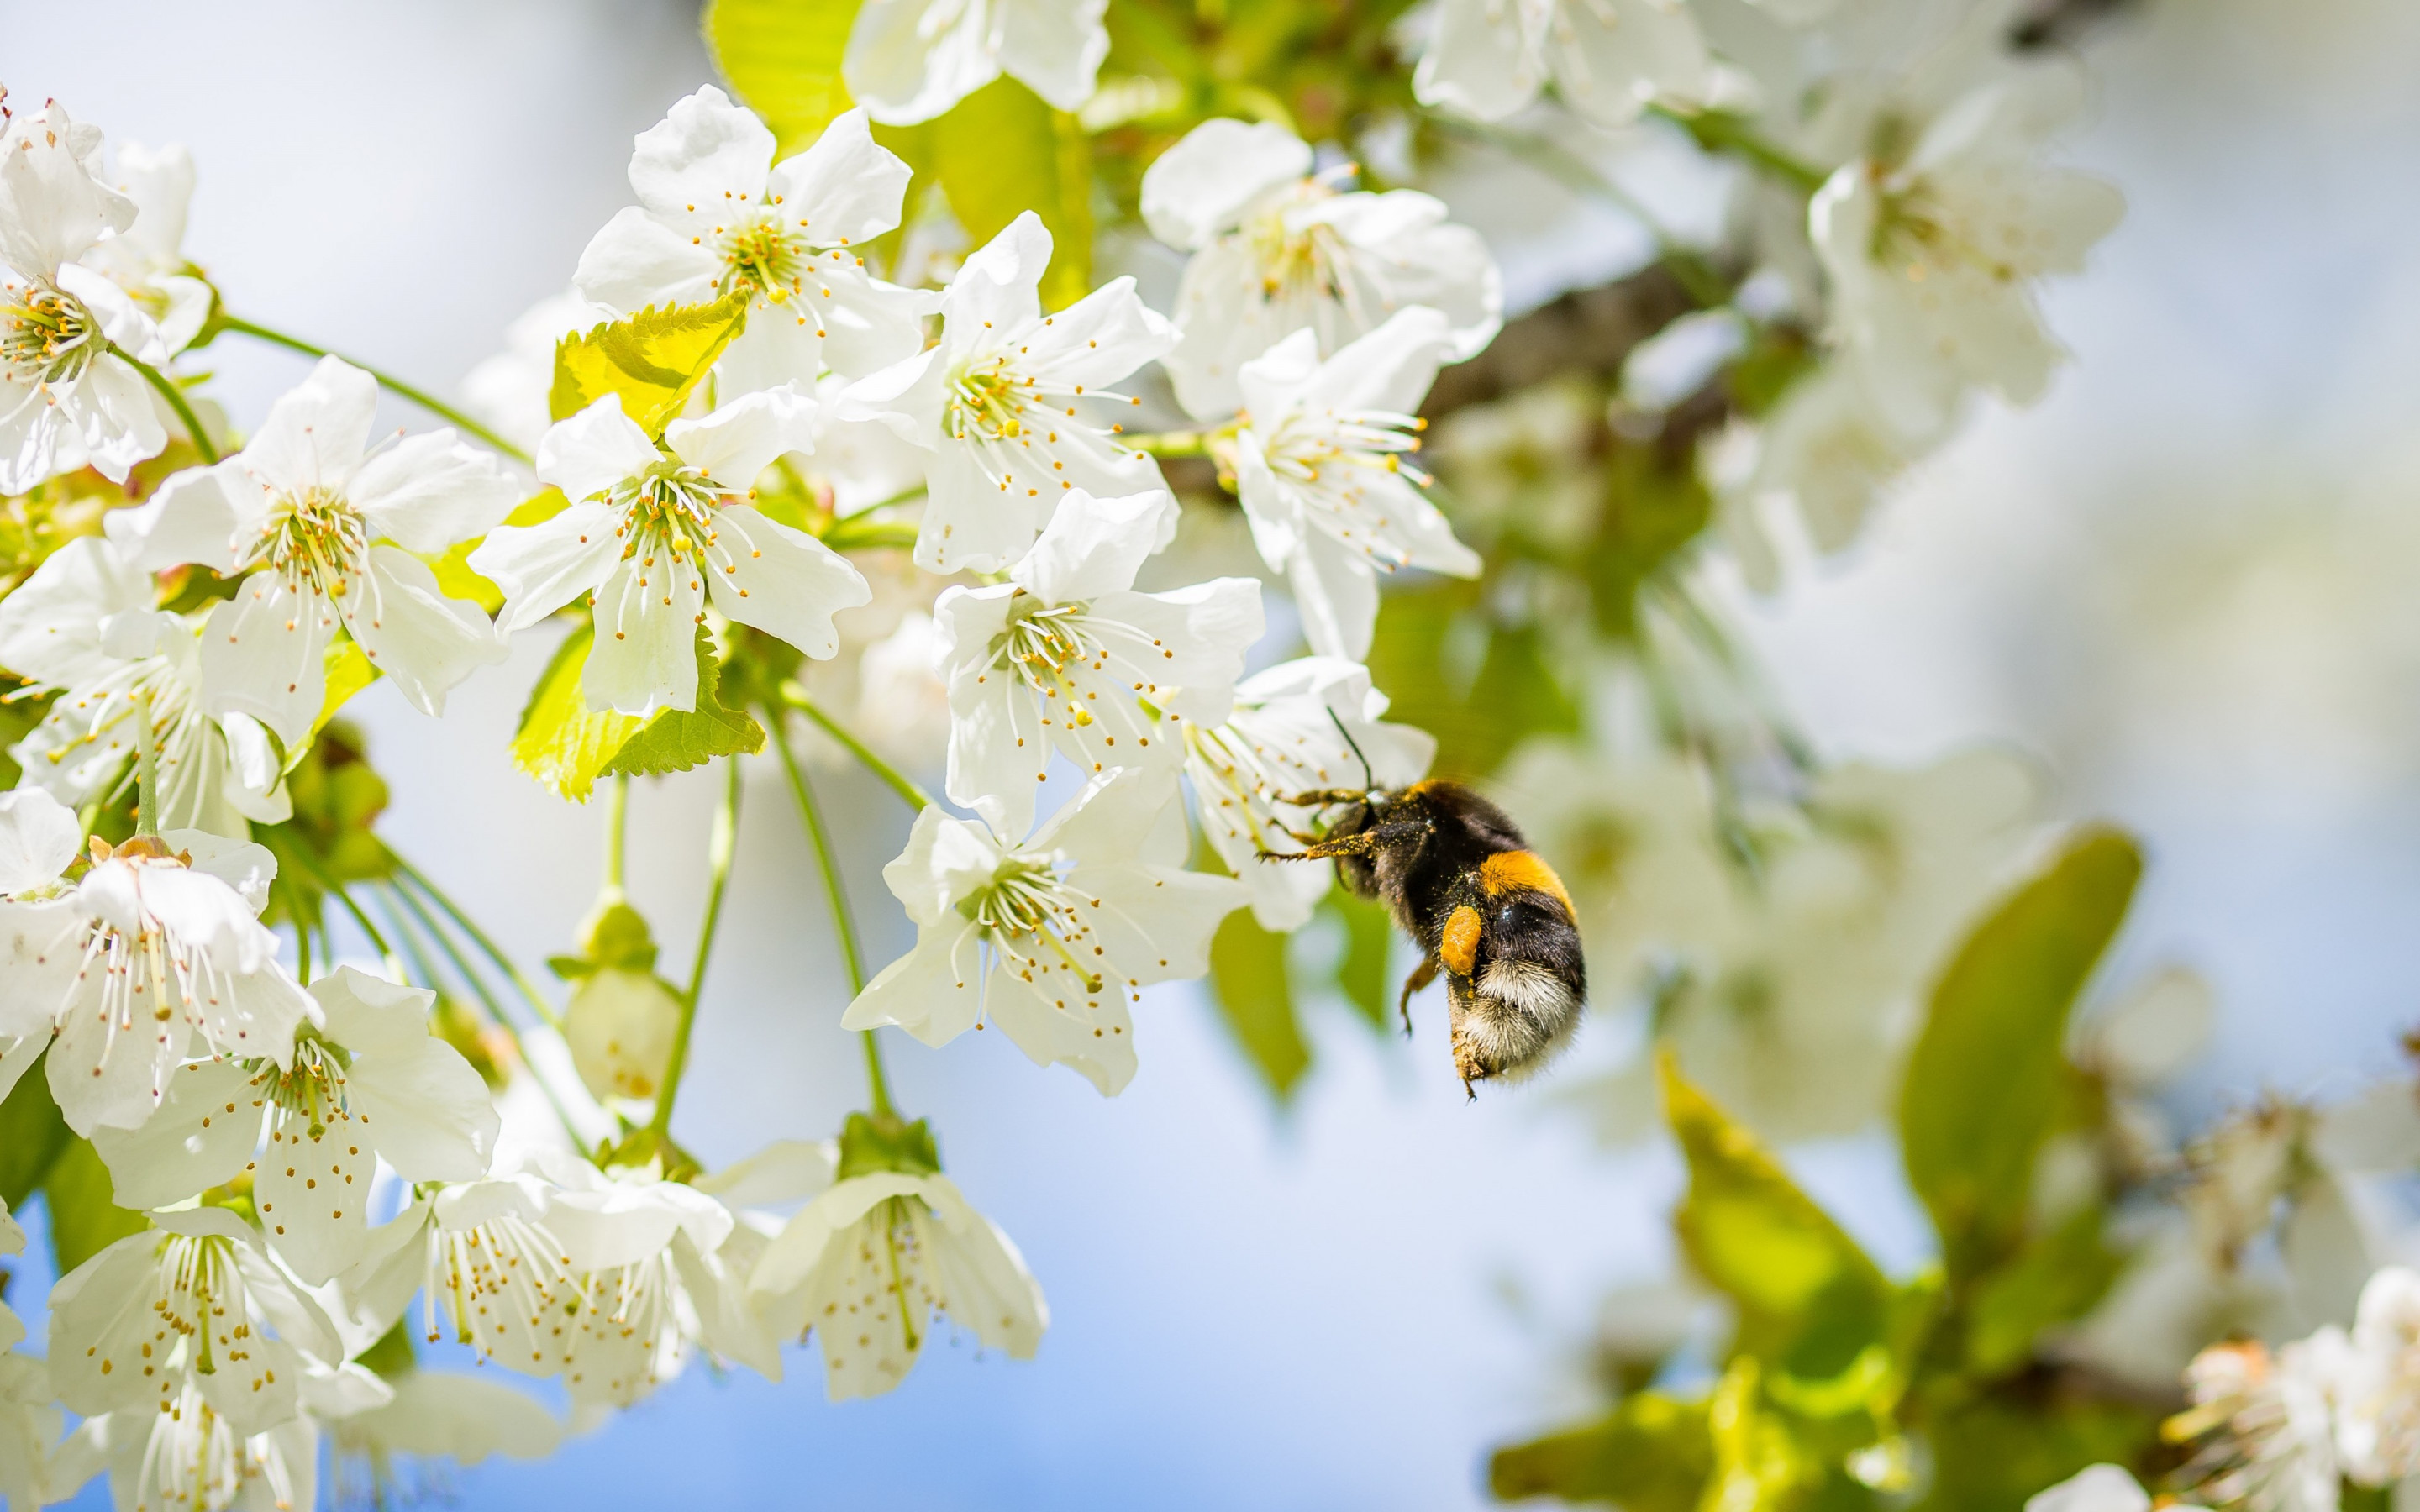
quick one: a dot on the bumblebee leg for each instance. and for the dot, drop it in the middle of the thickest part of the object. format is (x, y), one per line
(1323, 797)
(1422, 975)
(1360, 842)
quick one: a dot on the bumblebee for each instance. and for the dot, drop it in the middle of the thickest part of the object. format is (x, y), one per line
(1486, 910)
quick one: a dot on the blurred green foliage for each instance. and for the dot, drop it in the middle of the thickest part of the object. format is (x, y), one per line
(1843, 1387)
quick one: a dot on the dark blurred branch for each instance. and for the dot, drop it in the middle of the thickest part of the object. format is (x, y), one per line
(2062, 22)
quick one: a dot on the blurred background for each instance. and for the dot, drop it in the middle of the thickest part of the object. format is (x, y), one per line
(2182, 584)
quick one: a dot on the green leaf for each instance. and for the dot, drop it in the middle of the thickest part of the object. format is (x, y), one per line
(680, 740)
(1652, 509)
(1369, 946)
(1809, 1300)
(783, 58)
(2057, 1278)
(1985, 1079)
(1002, 151)
(1248, 973)
(652, 359)
(1650, 1454)
(85, 1218)
(32, 1134)
(562, 741)
(1990, 1454)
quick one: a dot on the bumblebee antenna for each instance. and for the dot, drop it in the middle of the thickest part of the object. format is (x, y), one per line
(1369, 778)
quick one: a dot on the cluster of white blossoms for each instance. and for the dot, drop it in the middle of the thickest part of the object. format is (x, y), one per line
(2285, 1429)
(733, 451)
(307, 1154)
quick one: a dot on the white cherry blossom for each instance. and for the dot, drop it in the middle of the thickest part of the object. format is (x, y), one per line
(480, 1255)
(187, 1454)
(718, 216)
(619, 1026)
(324, 531)
(661, 1270)
(1607, 58)
(68, 399)
(1278, 249)
(1934, 240)
(1048, 939)
(147, 258)
(154, 954)
(1000, 403)
(2276, 1447)
(194, 1303)
(368, 1083)
(2378, 1425)
(83, 627)
(1067, 656)
(1320, 467)
(910, 60)
(654, 533)
(1287, 736)
(865, 1265)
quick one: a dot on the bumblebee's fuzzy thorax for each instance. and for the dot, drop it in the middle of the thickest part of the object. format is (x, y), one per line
(1455, 872)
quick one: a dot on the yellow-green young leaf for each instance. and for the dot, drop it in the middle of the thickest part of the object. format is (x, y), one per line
(349, 670)
(1650, 1454)
(1247, 974)
(1984, 1080)
(1002, 151)
(652, 359)
(783, 58)
(562, 741)
(456, 580)
(32, 1134)
(1809, 1300)
(85, 1218)
(679, 740)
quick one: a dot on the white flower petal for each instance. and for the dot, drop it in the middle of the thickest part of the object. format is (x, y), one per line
(1054, 47)
(38, 837)
(263, 655)
(424, 641)
(426, 492)
(903, 75)
(644, 657)
(844, 189)
(1093, 547)
(1201, 186)
(635, 262)
(541, 567)
(705, 157)
(316, 431)
(202, 1134)
(782, 581)
(934, 992)
(741, 439)
(594, 450)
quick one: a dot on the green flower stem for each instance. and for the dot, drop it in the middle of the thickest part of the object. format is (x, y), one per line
(329, 887)
(618, 816)
(1170, 442)
(719, 848)
(530, 994)
(1720, 132)
(427, 401)
(844, 926)
(146, 766)
(855, 533)
(909, 793)
(1687, 266)
(175, 396)
(401, 909)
